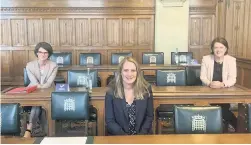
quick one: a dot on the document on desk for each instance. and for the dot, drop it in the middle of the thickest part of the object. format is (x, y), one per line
(64, 140)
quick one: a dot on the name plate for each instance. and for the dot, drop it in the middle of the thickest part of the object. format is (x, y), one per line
(64, 140)
(62, 87)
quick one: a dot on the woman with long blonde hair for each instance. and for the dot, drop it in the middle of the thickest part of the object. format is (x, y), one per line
(129, 101)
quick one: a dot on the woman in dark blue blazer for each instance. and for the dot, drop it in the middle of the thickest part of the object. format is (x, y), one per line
(129, 101)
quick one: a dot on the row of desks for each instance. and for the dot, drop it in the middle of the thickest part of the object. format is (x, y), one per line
(155, 139)
(198, 95)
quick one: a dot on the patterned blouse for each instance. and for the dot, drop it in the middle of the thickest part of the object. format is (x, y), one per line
(132, 117)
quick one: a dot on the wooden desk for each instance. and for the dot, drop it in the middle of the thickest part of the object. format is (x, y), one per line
(156, 139)
(105, 71)
(198, 95)
(42, 97)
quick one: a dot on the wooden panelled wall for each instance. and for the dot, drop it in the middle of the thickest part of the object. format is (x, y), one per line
(103, 26)
(228, 18)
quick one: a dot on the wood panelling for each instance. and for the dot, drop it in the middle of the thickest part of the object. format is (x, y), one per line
(78, 3)
(66, 32)
(18, 32)
(234, 26)
(195, 27)
(5, 32)
(97, 32)
(202, 27)
(128, 32)
(244, 72)
(19, 61)
(113, 32)
(144, 31)
(201, 32)
(34, 31)
(235, 18)
(6, 61)
(103, 26)
(50, 31)
(82, 31)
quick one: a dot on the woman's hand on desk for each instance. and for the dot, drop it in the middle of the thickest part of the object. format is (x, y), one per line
(216, 84)
(39, 86)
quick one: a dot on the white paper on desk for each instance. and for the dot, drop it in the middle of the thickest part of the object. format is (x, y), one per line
(64, 140)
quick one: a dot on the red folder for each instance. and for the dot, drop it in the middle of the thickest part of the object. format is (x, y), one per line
(22, 90)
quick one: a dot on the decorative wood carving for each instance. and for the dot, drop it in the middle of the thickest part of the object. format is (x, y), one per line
(5, 33)
(208, 30)
(19, 62)
(34, 31)
(144, 31)
(88, 4)
(97, 29)
(18, 32)
(195, 27)
(202, 27)
(87, 10)
(128, 32)
(65, 32)
(50, 31)
(113, 32)
(6, 61)
(234, 26)
(82, 32)
(244, 72)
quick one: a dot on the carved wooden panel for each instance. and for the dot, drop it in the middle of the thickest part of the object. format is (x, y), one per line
(78, 3)
(113, 32)
(128, 32)
(247, 31)
(144, 31)
(234, 26)
(6, 61)
(239, 75)
(19, 62)
(34, 31)
(244, 72)
(195, 30)
(248, 39)
(208, 30)
(246, 76)
(18, 32)
(97, 32)
(5, 33)
(50, 31)
(65, 32)
(82, 32)
(202, 31)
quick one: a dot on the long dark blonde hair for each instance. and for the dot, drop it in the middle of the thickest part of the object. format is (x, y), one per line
(140, 85)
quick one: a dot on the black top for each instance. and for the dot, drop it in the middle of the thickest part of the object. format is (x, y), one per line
(217, 75)
(132, 117)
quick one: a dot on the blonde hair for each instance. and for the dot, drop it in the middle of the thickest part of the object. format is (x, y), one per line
(140, 85)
